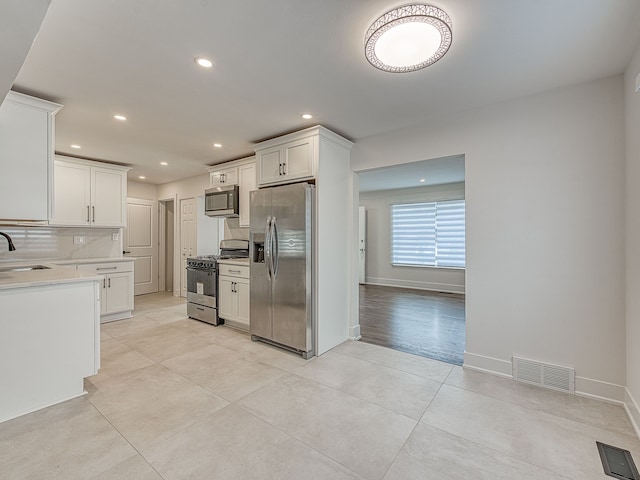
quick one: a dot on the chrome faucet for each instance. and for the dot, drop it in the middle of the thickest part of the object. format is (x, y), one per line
(12, 247)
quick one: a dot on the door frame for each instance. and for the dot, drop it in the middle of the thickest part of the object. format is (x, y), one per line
(178, 271)
(162, 235)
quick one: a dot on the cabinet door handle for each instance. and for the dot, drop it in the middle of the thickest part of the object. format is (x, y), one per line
(284, 168)
(280, 169)
(104, 283)
(94, 214)
(223, 177)
(109, 283)
(234, 271)
(106, 268)
(88, 214)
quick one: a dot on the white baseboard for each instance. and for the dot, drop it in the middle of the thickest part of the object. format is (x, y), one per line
(631, 407)
(599, 390)
(585, 387)
(354, 332)
(437, 287)
(46, 405)
(494, 366)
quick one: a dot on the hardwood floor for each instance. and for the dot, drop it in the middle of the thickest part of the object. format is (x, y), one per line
(429, 324)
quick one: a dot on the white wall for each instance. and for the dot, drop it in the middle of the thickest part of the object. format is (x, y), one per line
(142, 190)
(208, 231)
(632, 174)
(185, 188)
(545, 244)
(378, 268)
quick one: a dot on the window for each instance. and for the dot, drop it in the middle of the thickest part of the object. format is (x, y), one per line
(428, 234)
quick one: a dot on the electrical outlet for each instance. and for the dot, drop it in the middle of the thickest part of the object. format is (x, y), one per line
(78, 239)
(115, 236)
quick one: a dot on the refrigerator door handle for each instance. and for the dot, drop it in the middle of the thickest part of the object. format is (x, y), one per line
(275, 250)
(267, 247)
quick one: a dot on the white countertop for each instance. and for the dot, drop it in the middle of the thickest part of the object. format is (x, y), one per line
(235, 261)
(82, 261)
(35, 278)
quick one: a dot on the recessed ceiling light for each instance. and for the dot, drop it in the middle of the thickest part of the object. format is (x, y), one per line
(122, 118)
(307, 116)
(75, 146)
(204, 62)
(164, 163)
(141, 177)
(408, 38)
(217, 145)
(422, 180)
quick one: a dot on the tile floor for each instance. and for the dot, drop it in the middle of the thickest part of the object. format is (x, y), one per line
(179, 399)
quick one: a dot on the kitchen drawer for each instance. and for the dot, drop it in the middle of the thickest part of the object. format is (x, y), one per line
(106, 267)
(233, 270)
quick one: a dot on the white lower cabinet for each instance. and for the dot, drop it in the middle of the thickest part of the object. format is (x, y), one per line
(233, 295)
(116, 296)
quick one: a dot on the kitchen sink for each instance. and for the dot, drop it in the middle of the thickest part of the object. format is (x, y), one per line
(25, 268)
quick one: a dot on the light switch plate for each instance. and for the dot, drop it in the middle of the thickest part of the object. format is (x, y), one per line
(78, 240)
(115, 236)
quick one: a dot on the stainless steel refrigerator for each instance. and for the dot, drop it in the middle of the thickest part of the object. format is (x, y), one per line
(281, 265)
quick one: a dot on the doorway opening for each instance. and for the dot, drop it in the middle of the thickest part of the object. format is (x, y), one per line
(412, 258)
(166, 235)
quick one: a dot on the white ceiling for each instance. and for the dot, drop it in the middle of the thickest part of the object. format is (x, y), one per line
(275, 60)
(418, 174)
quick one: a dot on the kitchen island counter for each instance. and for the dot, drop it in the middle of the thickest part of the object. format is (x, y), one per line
(52, 274)
(49, 336)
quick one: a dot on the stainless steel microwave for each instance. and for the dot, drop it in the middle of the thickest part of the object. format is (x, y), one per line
(222, 201)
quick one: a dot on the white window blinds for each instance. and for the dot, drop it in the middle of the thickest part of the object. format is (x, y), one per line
(428, 234)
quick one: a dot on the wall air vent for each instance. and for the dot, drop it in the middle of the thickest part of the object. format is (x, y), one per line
(544, 374)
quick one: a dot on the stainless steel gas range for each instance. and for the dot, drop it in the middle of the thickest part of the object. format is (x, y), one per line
(202, 281)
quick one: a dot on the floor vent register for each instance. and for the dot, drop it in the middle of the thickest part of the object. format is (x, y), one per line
(617, 463)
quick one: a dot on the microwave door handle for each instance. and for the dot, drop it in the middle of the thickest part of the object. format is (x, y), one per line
(275, 252)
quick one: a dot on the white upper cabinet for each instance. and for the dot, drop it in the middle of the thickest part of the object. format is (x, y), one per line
(108, 197)
(247, 180)
(26, 152)
(237, 172)
(287, 162)
(88, 193)
(223, 176)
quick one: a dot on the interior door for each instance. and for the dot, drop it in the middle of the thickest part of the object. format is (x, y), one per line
(141, 244)
(362, 243)
(187, 238)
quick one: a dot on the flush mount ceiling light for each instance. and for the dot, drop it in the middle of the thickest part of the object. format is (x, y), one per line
(307, 116)
(217, 145)
(408, 38)
(122, 118)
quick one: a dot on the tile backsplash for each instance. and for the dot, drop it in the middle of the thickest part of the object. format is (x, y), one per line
(232, 229)
(48, 243)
